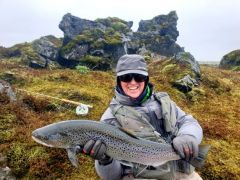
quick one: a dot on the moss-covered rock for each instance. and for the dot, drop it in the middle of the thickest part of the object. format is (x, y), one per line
(41, 53)
(188, 59)
(94, 48)
(116, 23)
(9, 52)
(159, 34)
(47, 47)
(231, 61)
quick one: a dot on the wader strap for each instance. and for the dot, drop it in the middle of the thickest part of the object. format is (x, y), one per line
(169, 114)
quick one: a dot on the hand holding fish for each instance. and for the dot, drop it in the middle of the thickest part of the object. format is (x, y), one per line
(186, 146)
(97, 150)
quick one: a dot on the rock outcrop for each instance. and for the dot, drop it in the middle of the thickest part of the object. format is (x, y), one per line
(98, 44)
(73, 26)
(231, 60)
(159, 34)
(113, 37)
(41, 53)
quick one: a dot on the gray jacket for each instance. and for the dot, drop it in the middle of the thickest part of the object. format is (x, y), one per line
(151, 109)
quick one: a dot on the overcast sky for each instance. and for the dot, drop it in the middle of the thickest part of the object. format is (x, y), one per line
(208, 29)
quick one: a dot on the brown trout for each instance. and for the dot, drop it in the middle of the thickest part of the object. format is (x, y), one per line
(121, 145)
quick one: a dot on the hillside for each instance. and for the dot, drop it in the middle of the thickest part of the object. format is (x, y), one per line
(215, 103)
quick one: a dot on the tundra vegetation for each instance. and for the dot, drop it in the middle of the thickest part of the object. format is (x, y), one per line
(215, 103)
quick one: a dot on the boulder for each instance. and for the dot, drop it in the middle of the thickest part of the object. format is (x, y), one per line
(231, 60)
(43, 52)
(6, 89)
(185, 84)
(192, 72)
(47, 47)
(187, 59)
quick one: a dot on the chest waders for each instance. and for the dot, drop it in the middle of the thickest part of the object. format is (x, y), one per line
(137, 123)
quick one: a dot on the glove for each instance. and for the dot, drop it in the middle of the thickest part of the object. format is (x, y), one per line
(186, 146)
(97, 150)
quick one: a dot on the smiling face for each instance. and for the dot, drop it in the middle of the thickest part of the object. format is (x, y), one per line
(133, 89)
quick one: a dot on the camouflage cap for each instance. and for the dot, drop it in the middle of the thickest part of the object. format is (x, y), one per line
(131, 63)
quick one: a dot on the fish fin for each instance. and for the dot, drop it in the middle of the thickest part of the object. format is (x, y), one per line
(72, 155)
(126, 163)
(202, 155)
(159, 163)
(128, 132)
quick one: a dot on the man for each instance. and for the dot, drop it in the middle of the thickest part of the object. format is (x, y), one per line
(136, 104)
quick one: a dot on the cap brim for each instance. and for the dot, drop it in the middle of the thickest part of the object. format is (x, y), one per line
(145, 73)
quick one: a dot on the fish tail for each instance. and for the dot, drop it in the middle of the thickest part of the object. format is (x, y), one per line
(202, 155)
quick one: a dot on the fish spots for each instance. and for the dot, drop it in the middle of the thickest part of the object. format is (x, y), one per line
(120, 145)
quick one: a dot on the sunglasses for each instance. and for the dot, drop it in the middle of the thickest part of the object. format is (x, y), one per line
(136, 77)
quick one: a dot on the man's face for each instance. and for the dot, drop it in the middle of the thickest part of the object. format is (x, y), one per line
(133, 89)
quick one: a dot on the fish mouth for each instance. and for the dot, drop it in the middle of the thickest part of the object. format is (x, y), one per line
(41, 142)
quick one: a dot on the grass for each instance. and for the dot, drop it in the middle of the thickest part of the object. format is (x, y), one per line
(215, 103)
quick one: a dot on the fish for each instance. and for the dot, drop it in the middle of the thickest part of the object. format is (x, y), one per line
(120, 144)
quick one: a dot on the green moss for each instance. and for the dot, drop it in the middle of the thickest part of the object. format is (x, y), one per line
(169, 67)
(186, 56)
(95, 39)
(82, 69)
(80, 39)
(115, 23)
(223, 161)
(218, 85)
(7, 121)
(112, 38)
(91, 61)
(147, 58)
(18, 159)
(6, 135)
(236, 68)
(119, 26)
(196, 95)
(56, 41)
(37, 152)
(98, 44)
(8, 76)
(29, 54)
(89, 37)
(176, 71)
